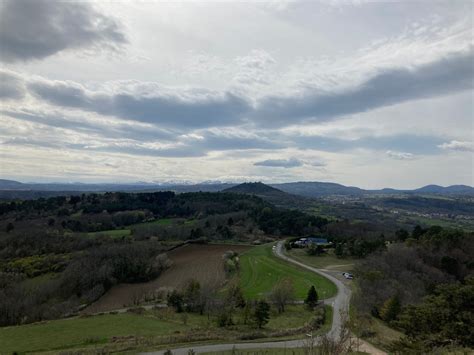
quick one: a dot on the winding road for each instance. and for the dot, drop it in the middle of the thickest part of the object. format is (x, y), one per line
(340, 304)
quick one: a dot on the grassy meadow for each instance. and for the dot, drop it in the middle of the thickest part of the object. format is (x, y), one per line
(260, 270)
(159, 327)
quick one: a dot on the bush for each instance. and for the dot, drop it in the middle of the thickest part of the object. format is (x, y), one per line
(224, 319)
(252, 335)
(317, 321)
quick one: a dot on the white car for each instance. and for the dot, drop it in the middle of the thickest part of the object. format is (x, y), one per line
(347, 275)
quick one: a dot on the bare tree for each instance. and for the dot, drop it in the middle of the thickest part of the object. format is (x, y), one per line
(282, 294)
(342, 344)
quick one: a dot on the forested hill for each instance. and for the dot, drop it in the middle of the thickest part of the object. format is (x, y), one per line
(270, 194)
(255, 188)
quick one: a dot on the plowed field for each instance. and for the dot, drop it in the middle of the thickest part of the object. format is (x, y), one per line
(200, 262)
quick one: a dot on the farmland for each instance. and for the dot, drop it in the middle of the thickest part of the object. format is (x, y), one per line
(137, 331)
(261, 270)
(199, 262)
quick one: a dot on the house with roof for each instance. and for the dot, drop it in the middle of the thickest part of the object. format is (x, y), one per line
(311, 240)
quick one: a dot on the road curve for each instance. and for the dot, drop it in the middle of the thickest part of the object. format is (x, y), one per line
(340, 306)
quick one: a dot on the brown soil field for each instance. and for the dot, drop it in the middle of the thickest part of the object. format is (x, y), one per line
(203, 263)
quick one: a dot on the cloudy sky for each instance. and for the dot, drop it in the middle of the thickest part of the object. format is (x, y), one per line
(362, 93)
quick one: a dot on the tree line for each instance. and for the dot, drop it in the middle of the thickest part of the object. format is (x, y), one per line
(422, 284)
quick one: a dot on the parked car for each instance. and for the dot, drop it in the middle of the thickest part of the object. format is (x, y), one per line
(347, 275)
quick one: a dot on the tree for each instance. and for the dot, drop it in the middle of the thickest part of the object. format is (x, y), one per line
(312, 298)
(261, 313)
(234, 296)
(402, 234)
(339, 250)
(417, 232)
(191, 296)
(10, 227)
(445, 315)
(175, 300)
(246, 314)
(314, 249)
(196, 233)
(282, 293)
(390, 309)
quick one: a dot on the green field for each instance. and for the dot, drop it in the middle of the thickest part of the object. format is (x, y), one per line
(113, 233)
(157, 222)
(260, 270)
(77, 332)
(98, 330)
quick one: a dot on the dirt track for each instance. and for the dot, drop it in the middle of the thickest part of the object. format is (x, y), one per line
(200, 262)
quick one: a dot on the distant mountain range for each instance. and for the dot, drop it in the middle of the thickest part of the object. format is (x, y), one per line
(15, 189)
(319, 189)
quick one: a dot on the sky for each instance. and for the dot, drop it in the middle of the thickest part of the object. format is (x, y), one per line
(363, 93)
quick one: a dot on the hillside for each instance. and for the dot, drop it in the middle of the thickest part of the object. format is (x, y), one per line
(270, 194)
(453, 189)
(317, 189)
(254, 188)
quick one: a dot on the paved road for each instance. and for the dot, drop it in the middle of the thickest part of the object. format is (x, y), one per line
(340, 305)
(341, 301)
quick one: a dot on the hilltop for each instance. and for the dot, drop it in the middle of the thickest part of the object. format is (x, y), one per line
(269, 193)
(254, 188)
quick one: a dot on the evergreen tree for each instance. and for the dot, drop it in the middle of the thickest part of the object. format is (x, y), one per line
(312, 297)
(262, 313)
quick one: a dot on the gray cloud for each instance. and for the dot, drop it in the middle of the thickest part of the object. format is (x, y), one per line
(416, 144)
(192, 147)
(11, 86)
(280, 163)
(202, 108)
(213, 141)
(400, 155)
(448, 75)
(118, 130)
(458, 145)
(35, 29)
(186, 108)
